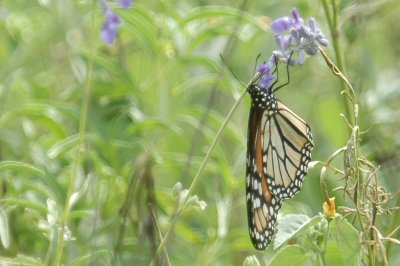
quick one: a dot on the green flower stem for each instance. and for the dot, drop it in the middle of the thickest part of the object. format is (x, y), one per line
(326, 234)
(352, 102)
(332, 18)
(196, 179)
(77, 158)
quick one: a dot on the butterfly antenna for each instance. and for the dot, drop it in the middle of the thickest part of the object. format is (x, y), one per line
(275, 71)
(233, 74)
(276, 66)
(288, 75)
(255, 65)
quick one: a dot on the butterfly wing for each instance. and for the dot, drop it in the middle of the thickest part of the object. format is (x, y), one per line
(262, 204)
(279, 145)
(287, 145)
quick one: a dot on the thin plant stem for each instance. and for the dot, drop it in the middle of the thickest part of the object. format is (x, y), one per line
(355, 135)
(154, 216)
(333, 21)
(338, 73)
(77, 157)
(196, 179)
(325, 244)
(227, 52)
(360, 196)
(393, 223)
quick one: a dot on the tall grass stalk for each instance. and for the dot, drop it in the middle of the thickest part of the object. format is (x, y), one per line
(80, 146)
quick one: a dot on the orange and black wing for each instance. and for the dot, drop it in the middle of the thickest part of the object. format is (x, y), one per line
(262, 205)
(287, 145)
(279, 145)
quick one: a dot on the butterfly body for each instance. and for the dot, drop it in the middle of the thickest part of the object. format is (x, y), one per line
(278, 152)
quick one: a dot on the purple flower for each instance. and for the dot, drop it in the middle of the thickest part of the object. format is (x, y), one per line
(283, 54)
(308, 38)
(317, 33)
(266, 77)
(284, 23)
(264, 67)
(266, 80)
(281, 24)
(125, 3)
(296, 37)
(296, 16)
(110, 27)
(301, 39)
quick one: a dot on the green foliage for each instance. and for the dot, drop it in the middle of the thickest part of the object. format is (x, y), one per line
(345, 248)
(99, 145)
(291, 225)
(290, 255)
(4, 233)
(251, 261)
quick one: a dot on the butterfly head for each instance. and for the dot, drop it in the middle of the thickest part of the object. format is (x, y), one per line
(260, 97)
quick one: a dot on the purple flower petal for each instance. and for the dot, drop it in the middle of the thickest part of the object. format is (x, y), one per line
(266, 77)
(313, 24)
(324, 42)
(304, 32)
(281, 24)
(279, 42)
(112, 18)
(296, 15)
(301, 57)
(284, 42)
(311, 49)
(264, 68)
(125, 3)
(298, 21)
(110, 27)
(296, 36)
(266, 80)
(302, 39)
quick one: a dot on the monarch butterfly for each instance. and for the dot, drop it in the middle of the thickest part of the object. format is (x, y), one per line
(279, 145)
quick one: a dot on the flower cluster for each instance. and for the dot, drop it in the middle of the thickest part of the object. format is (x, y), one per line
(292, 36)
(111, 25)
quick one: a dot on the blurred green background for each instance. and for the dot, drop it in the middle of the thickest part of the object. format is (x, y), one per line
(155, 100)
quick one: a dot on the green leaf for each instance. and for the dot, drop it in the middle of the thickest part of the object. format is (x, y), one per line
(289, 255)
(62, 146)
(140, 23)
(45, 114)
(87, 259)
(20, 260)
(29, 204)
(77, 195)
(251, 261)
(332, 254)
(19, 166)
(208, 12)
(4, 234)
(291, 225)
(343, 243)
